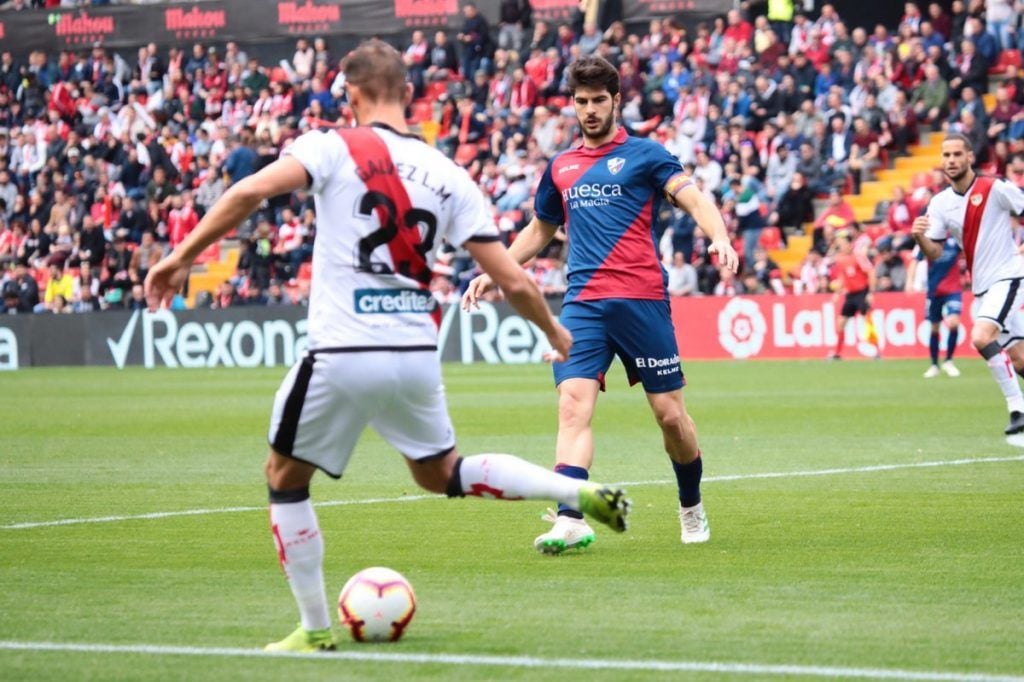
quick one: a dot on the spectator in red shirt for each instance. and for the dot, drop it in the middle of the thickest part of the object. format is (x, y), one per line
(739, 30)
(838, 215)
(864, 154)
(182, 218)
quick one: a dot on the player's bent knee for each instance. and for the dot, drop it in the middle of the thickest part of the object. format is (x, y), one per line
(983, 339)
(286, 473)
(437, 475)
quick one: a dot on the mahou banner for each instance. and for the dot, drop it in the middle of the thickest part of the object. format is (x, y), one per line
(255, 21)
(767, 326)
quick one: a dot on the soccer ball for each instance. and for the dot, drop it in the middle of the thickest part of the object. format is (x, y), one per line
(376, 605)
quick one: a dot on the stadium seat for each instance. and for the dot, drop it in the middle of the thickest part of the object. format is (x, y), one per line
(1006, 63)
(876, 231)
(422, 110)
(278, 75)
(558, 102)
(465, 153)
(770, 238)
(210, 254)
(435, 89)
(305, 271)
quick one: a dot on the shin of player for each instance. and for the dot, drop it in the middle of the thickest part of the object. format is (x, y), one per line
(606, 191)
(373, 324)
(976, 211)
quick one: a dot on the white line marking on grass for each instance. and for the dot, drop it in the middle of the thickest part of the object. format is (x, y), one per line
(521, 662)
(832, 472)
(416, 498)
(202, 512)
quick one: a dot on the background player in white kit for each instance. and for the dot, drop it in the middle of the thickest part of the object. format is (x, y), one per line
(383, 199)
(976, 210)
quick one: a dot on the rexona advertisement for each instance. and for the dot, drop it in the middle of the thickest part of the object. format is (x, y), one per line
(707, 328)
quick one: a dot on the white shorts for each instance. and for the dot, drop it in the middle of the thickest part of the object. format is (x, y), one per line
(1001, 305)
(327, 399)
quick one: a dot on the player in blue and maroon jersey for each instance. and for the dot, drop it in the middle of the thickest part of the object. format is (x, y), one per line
(606, 192)
(945, 301)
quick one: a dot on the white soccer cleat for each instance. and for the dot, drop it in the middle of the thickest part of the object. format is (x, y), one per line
(932, 372)
(950, 369)
(567, 533)
(695, 524)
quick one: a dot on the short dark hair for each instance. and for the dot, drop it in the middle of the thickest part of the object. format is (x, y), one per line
(953, 137)
(594, 73)
(378, 70)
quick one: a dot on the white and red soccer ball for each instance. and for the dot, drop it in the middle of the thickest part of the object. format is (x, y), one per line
(376, 605)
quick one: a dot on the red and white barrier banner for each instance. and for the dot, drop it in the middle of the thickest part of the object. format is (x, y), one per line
(767, 326)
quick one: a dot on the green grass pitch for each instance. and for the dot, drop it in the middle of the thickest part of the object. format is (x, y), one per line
(912, 568)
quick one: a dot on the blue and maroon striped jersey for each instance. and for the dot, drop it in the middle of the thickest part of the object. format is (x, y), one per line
(944, 271)
(608, 198)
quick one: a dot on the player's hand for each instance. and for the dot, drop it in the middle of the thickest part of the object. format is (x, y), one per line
(479, 286)
(726, 254)
(164, 280)
(561, 341)
(920, 226)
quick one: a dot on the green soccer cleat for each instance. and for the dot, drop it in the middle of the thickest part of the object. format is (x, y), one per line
(607, 505)
(304, 641)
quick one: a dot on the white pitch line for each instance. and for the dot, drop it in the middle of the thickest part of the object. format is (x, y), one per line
(832, 472)
(522, 662)
(415, 498)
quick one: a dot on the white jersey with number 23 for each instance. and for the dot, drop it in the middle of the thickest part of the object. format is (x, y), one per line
(384, 202)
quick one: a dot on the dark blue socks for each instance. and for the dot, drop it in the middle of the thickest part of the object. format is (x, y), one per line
(688, 478)
(572, 472)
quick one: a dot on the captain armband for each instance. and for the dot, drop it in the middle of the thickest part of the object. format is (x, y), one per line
(676, 183)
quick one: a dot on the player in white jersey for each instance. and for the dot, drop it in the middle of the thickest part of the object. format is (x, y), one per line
(976, 210)
(384, 199)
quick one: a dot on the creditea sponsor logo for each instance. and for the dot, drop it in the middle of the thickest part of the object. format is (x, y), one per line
(307, 16)
(207, 344)
(194, 23)
(425, 12)
(81, 27)
(394, 301)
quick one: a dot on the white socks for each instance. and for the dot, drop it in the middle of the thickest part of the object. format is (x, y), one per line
(1004, 374)
(300, 548)
(506, 477)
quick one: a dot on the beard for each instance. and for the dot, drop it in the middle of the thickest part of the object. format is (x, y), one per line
(959, 174)
(601, 132)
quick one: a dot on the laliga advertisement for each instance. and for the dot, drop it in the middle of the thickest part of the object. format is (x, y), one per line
(777, 327)
(707, 328)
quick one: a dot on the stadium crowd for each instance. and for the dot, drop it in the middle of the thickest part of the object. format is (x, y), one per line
(108, 160)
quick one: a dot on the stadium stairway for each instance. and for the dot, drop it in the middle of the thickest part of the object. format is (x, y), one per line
(210, 275)
(871, 204)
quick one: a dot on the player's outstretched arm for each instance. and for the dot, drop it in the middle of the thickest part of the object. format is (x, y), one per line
(534, 237)
(169, 275)
(521, 292)
(929, 247)
(709, 220)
